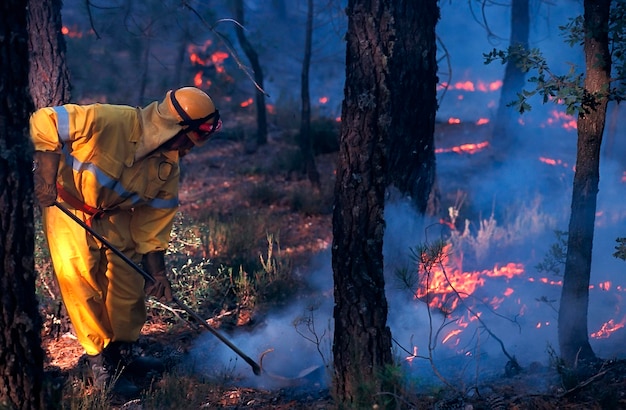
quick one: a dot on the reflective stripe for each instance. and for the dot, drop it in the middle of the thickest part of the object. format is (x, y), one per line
(107, 182)
(63, 123)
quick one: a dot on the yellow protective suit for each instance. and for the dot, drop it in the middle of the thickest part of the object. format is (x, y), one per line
(111, 160)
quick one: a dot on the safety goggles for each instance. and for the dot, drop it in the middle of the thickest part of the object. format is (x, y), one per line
(205, 131)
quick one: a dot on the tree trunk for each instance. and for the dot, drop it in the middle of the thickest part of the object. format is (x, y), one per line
(573, 333)
(261, 112)
(362, 340)
(49, 77)
(306, 147)
(412, 82)
(21, 355)
(505, 128)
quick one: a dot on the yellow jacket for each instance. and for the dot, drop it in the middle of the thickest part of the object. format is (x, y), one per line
(111, 161)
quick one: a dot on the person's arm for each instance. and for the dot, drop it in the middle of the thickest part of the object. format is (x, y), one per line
(45, 138)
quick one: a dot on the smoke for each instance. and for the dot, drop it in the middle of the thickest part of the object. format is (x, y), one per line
(518, 315)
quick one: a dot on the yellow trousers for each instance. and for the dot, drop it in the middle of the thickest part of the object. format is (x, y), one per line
(102, 294)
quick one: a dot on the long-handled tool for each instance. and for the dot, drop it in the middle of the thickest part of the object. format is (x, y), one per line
(256, 368)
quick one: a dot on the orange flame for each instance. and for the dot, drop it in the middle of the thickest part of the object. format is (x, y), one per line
(323, 100)
(607, 329)
(471, 86)
(446, 282)
(553, 162)
(464, 148)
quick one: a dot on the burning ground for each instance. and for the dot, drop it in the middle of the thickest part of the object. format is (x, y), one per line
(475, 322)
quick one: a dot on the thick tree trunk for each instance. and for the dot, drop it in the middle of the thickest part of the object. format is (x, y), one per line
(49, 77)
(412, 81)
(261, 112)
(21, 356)
(362, 340)
(573, 333)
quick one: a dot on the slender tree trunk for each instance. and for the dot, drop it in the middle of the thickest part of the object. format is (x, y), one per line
(573, 311)
(261, 112)
(21, 355)
(412, 82)
(306, 146)
(505, 127)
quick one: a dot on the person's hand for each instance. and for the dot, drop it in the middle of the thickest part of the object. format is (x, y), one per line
(45, 167)
(160, 288)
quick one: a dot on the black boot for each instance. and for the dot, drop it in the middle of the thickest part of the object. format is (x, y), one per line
(106, 377)
(133, 364)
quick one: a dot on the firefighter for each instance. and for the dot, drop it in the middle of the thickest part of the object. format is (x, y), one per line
(116, 168)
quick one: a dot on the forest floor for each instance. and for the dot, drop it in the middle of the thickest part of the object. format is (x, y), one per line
(218, 176)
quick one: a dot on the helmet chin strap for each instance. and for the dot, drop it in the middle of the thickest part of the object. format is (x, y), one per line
(193, 125)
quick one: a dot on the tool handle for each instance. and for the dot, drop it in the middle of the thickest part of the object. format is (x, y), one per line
(255, 366)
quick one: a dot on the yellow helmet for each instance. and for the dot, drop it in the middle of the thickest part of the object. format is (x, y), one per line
(195, 110)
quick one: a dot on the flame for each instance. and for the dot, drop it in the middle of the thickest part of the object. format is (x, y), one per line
(323, 100)
(200, 56)
(482, 121)
(453, 120)
(413, 356)
(446, 282)
(450, 335)
(557, 118)
(607, 329)
(554, 162)
(247, 103)
(471, 86)
(464, 148)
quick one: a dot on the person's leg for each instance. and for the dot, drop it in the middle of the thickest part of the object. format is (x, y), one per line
(77, 263)
(81, 270)
(125, 301)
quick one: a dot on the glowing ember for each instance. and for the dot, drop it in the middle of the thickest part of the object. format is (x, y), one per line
(464, 148)
(453, 120)
(247, 103)
(66, 31)
(323, 100)
(482, 121)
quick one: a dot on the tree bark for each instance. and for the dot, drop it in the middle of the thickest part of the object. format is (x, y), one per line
(49, 77)
(362, 340)
(261, 112)
(573, 312)
(412, 81)
(21, 355)
(306, 146)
